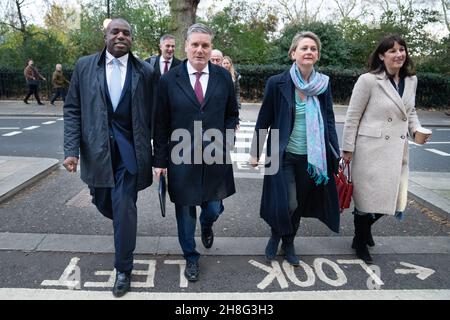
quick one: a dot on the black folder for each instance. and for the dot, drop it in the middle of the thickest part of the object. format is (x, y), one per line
(162, 194)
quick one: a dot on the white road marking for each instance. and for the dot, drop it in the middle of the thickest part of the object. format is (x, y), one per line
(9, 128)
(422, 272)
(70, 277)
(56, 294)
(442, 129)
(441, 153)
(10, 134)
(49, 122)
(31, 128)
(60, 119)
(274, 272)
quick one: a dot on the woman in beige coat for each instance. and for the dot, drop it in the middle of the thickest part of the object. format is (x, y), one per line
(380, 117)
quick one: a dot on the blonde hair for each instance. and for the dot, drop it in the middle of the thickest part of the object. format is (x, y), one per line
(302, 35)
(232, 70)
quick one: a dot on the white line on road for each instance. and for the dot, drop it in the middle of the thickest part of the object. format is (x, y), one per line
(64, 294)
(9, 128)
(10, 134)
(441, 153)
(31, 128)
(442, 129)
(49, 122)
(60, 119)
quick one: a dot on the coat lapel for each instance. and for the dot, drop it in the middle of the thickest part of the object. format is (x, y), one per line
(184, 83)
(408, 91)
(212, 84)
(101, 76)
(287, 90)
(391, 92)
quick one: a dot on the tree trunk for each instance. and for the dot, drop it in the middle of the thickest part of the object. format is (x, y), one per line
(183, 13)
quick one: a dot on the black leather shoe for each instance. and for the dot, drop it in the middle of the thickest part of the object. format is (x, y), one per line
(40, 103)
(207, 237)
(122, 284)
(25, 101)
(191, 271)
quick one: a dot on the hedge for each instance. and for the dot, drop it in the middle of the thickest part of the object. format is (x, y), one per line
(433, 90)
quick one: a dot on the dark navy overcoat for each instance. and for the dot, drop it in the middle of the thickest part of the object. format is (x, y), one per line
(278, 112)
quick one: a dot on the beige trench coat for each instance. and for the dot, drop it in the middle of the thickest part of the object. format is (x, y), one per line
(376, 130)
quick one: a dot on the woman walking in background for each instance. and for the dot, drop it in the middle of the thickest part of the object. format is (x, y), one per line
(227, 63)
(297, 103)
(379, 119)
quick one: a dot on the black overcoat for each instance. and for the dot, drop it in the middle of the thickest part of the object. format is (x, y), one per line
(178, 108)
(278, 112)
(86, 130)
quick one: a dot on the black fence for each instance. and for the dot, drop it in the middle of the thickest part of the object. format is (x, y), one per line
(14, 86)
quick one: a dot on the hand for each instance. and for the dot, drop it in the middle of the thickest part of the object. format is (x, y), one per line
(70, 163)
(347, 156)
(158, 171)
(253, 162)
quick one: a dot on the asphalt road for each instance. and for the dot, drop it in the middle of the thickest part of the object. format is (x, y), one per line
(60, 204)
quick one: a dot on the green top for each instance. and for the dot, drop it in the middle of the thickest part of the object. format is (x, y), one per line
(297, 141)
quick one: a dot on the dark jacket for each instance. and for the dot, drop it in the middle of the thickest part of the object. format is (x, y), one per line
(278, 112)
(178, 108)
(154, 62)
(59, 80)
(86, 130)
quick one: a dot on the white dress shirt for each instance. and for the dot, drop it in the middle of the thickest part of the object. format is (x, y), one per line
(162, 64)
(203, 79)
(123, 67)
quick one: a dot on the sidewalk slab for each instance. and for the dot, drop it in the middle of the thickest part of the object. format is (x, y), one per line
(223, 246)
(17, 173)
(432, 190)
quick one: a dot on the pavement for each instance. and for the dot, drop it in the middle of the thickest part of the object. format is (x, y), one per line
(429, 189)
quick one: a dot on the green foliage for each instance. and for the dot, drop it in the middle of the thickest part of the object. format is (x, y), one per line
(335, 51)
(242, 32)
(433, 90)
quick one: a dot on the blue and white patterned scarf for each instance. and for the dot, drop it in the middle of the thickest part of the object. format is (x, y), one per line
(315, 131)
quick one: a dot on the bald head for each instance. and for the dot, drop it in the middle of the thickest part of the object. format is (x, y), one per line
(118, 38)
(216, 57)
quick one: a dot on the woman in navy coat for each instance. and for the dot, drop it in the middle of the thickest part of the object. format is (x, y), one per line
(297, 110)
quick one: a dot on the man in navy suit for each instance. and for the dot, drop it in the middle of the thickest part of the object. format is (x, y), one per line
(162, 64)
(166, 60)
(196, 101)
(107, 121)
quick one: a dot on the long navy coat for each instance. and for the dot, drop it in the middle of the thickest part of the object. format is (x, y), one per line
(178, 108)
(278, 112)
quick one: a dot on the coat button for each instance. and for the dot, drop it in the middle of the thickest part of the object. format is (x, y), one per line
(387, 137)
(403, 137)
(389, 119)
(404, 119)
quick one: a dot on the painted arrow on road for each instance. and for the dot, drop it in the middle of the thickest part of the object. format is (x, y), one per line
(422, 272)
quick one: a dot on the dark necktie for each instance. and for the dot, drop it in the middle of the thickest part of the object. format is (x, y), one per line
(198, 87)
(166, 66)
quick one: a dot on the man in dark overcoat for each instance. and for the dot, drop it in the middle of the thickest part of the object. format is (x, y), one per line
(107, 122)
(161, 64)
(196, 102)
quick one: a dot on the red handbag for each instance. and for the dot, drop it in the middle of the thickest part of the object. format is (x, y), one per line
(344, 185)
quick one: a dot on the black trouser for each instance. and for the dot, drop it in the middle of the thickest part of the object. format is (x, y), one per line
(33, 89)
(59, 92)
(119, 204)
(298, 184)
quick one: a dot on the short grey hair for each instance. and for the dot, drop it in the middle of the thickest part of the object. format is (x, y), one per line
(165, 37)
(200, 28)
(301, 35)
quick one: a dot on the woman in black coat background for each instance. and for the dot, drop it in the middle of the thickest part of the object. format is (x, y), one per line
(298, 111)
